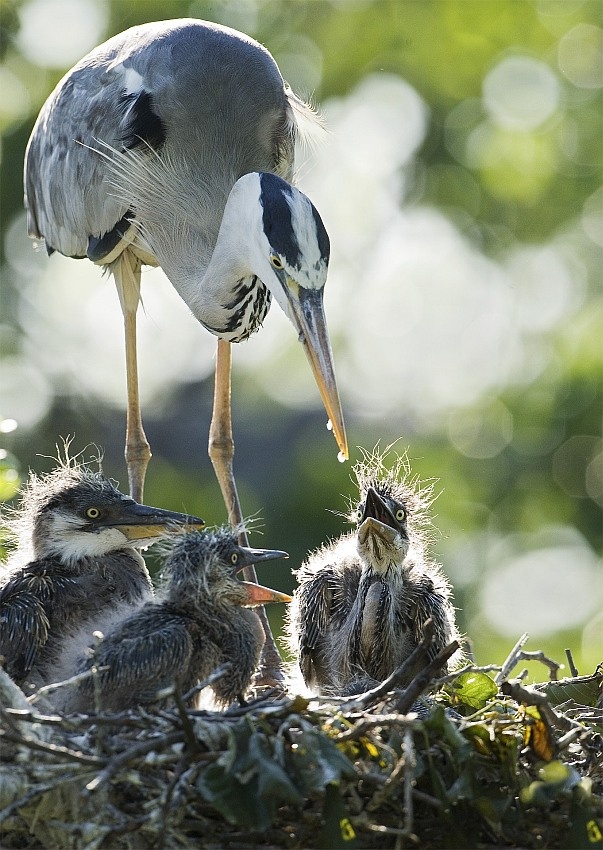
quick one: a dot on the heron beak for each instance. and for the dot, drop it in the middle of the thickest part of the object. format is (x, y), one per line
(307, 314)
(376, 508)
(139, 522)
(255, 594)
(248, 556)
(372, 526)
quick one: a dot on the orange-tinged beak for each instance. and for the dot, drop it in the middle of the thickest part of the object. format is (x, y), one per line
(256, 594)
(308, 316)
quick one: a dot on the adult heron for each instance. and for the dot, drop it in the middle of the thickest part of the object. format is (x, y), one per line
(172, 145)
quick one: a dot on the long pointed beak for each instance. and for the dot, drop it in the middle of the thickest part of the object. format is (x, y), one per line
(249, 556)
(256, 594)
(140, 522)
(375, 507)
(374, 526)
(308, 316)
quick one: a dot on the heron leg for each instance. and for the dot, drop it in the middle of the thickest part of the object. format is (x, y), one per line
(126, 271)
(221, 453)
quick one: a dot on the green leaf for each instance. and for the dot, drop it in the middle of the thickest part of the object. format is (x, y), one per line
(270, 780)
(248, 789)
(232, 799)
(316, 762)
(440, 724)
(584, 690)
(474, 689)
(555, 778)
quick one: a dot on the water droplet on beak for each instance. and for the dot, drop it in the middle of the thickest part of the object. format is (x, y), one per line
(329, 425)
(341, 457)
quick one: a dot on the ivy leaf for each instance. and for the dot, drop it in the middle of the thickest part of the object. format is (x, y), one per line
(316, 762)
(248, 789)
(474, 689)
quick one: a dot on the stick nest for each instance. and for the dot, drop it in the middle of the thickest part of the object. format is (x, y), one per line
(483, 762)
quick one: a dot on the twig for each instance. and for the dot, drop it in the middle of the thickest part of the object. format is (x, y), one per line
(137, 750)
(511, 660)
(409, 766)
(37, 791)
(53, 749)
(187, 726)
(422, 679)
(468, 668)
(528, 696)
(55, 686)
(570, 662)
(553, 666)
(422, 797)
(374, 695)
(364, 726)
(209, 680)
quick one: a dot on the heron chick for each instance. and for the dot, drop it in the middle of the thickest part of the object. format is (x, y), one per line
(363, 599)
(201, 618)
(76, 559)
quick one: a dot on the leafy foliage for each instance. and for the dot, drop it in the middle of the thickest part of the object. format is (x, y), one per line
(293, 773)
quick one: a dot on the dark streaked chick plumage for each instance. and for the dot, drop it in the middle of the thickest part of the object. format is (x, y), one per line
(76, 560)
(362, 600)
(198, 621)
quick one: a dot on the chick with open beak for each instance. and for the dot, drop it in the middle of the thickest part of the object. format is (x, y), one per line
(201, 618)
(363, 599)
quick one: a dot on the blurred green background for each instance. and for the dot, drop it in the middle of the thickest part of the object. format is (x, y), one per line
(460, 182)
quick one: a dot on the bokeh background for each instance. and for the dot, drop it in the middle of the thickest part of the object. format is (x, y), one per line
(460, 181)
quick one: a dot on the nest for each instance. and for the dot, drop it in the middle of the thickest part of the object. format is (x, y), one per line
(484, 761)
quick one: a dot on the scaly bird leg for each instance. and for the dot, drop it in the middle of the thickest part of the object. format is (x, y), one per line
(221, 453)
(126, 270)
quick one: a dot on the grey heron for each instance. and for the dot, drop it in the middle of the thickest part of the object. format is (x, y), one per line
(172, 144)
(363, 599)
(77, 559)
(201, 618)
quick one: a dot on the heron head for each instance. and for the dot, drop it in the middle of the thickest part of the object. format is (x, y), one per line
(202, 568)
(289, 252)
(383, 539)
(74, 513)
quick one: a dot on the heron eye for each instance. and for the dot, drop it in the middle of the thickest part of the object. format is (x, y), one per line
(276, 261)
(93, 513)
(400, 514)
(234, 558)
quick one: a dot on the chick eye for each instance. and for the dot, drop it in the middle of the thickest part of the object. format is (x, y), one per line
(234, 558)
(93, 513)
(400, 514)
(276, 261)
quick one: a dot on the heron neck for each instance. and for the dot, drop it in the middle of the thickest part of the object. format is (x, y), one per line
(229, 299)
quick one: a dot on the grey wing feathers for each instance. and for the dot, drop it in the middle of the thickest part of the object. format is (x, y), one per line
(430, 603)
(146, 652)
(24, 629)
(68, 191)
(153, 77)
(314, 610)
